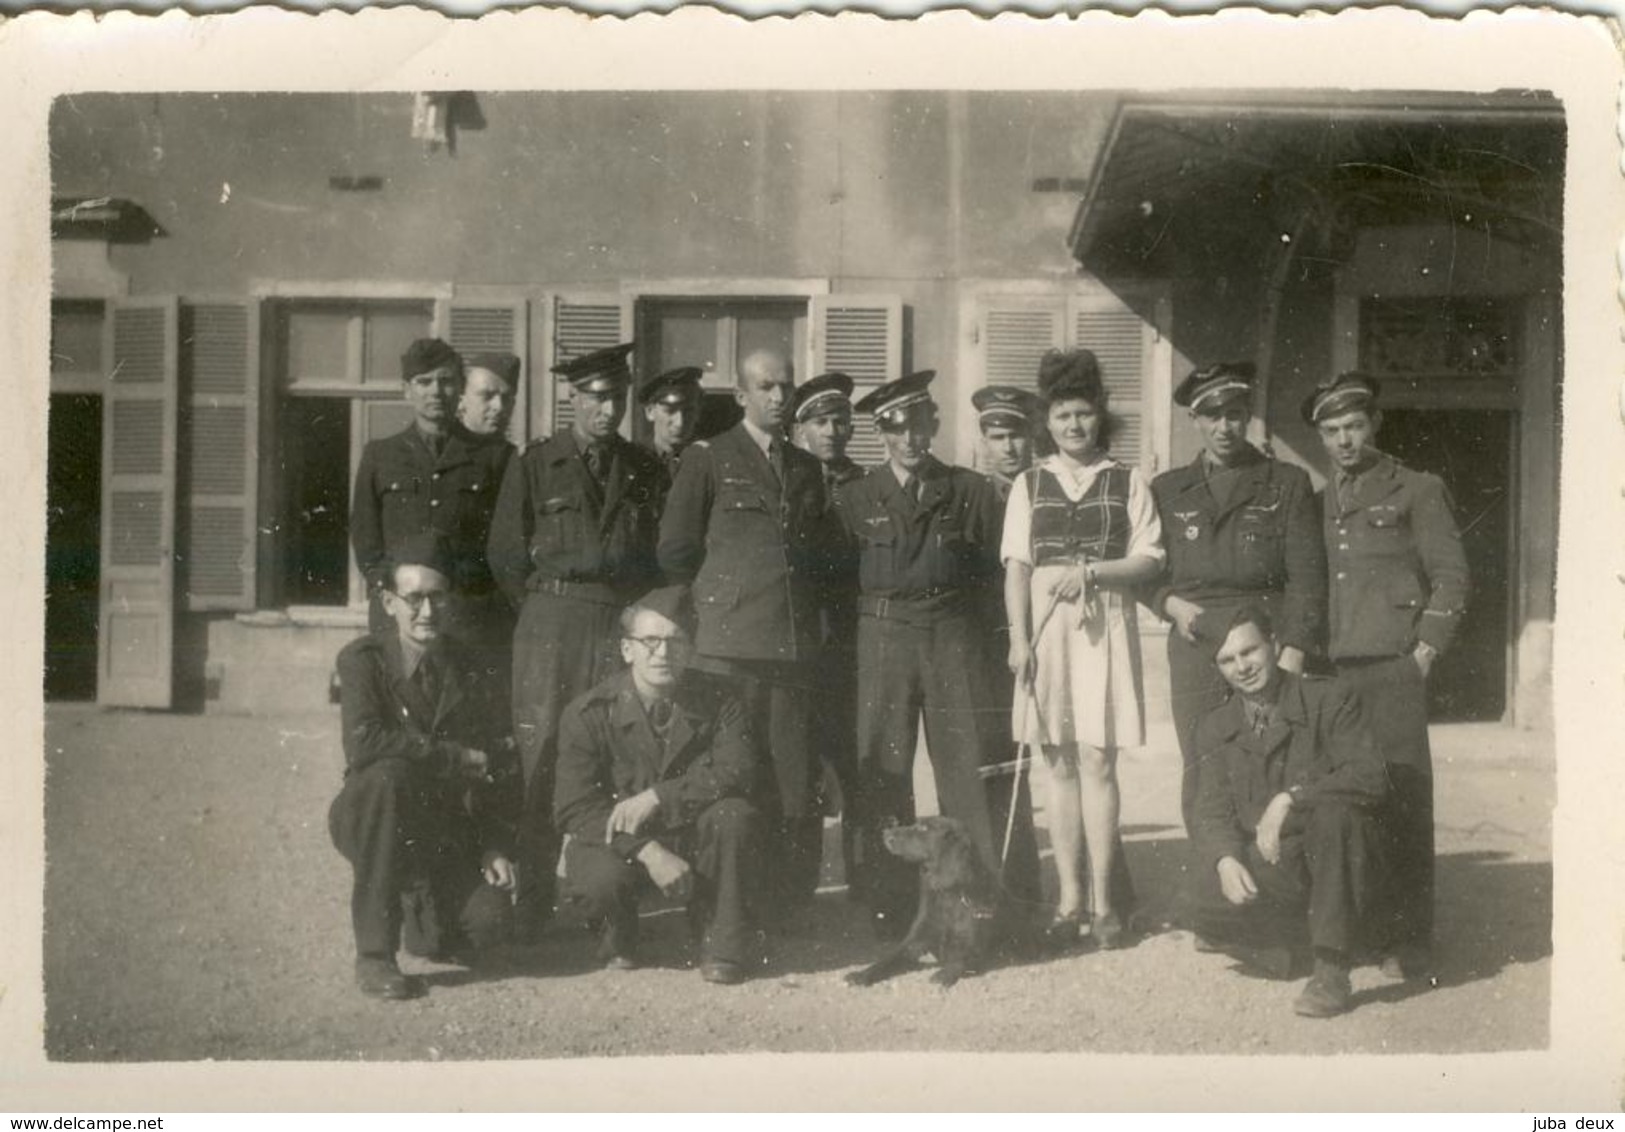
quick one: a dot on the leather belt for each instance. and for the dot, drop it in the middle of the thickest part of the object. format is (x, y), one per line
(596, 592)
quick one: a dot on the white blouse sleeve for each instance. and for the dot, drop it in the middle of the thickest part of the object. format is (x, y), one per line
(1017, 543)
(1145, 525)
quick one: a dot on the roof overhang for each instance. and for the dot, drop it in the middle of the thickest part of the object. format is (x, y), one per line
(1186, 185)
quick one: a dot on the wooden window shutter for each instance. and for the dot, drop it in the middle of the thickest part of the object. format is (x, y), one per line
(862, 337)
(1121, 342)
(499, 323)
(136, 639)
(581, 324)
(219, 445)
(1015, 335)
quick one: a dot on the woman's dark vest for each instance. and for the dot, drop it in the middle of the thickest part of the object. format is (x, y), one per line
(1094, 528)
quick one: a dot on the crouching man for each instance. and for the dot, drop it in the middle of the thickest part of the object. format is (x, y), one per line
(1284, 813)
(431, 787)
(655, 766)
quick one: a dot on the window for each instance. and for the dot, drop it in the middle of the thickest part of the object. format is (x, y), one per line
(1452, 337)
(716, 334)
(338, 388)
(76, 344)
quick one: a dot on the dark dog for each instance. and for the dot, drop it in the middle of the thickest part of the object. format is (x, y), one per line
(958, 905)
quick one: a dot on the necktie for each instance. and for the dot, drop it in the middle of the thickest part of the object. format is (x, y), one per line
(775, 456)
(912, 490)
(598, 461)
(1345, 491)
(428, 679)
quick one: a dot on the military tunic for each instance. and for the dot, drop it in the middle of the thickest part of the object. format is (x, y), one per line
(837, 681)
(927, 648)
(1239, 535)
(1398, 577)
(753, 542)
(569, 553)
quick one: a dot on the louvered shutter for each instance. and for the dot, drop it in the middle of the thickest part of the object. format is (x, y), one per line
(472, 325)
(219, 428)
(136, 636)
(862, 337)
(1120, 340)
(582, 324)
(1015, 336)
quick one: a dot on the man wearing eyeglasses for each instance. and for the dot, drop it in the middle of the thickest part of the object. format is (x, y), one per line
(654, 772)
(431, 787)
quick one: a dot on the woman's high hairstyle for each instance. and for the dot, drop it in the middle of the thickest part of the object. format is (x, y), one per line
(1074, 375)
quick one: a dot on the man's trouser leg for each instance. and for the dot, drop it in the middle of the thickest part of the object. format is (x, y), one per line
(374, 822)
(725, 851)
(778, 700)
(1394, 693)
(607, 887)
(889, 703)
(562, 647)
(835, 723)
(1196, 689)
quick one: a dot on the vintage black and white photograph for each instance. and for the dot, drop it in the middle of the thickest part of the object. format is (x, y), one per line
(540, 574)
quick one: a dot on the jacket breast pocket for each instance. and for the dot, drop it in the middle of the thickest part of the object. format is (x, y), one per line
(737, 511)
(558, 524)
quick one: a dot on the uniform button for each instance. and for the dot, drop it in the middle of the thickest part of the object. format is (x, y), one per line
(434, 503)
(435, 476)
(1342, 546)
(1341, 575)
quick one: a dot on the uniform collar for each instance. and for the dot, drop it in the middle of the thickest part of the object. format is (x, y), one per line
(764, 440)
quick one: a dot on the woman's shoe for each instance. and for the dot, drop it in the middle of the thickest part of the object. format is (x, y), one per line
(1064, 930)
(1107, 932)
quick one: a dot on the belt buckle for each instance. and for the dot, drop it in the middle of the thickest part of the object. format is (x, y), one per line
(883, 607)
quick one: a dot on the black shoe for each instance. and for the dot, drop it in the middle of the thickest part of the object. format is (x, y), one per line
(1327, 993)
(722, 972)
(1408, 961)
(1064, 931)
(379, 977)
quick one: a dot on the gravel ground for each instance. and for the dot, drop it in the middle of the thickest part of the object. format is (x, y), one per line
(195, 909)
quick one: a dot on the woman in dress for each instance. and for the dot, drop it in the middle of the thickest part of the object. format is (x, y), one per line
(1080, 532)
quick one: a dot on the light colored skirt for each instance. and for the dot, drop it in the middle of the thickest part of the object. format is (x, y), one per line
(1087, 683)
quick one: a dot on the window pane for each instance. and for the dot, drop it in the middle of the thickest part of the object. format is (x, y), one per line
(319, 344)
(391, 328)
(767, 332)
(316, 454)
(76, 337)
(689, 340)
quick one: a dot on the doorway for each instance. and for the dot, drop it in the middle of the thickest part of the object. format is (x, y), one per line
(1474, 452)
(73, 545)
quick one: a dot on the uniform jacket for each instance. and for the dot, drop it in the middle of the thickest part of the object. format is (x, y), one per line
(948, 541)
(402, 490)
(839, 591)
(608, 751)
(386, 715)
(1398, 572)
(554, 522)
(755, 552)
(1263, 539)
(1318, 741)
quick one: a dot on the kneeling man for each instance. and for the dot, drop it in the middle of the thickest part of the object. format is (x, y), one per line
(655, 768)
(1290, 779)
(431, 787)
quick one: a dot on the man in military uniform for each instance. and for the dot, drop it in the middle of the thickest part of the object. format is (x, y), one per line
(927, 538)
(1241, 529)
(1291, 778)
(656, 767)
(490, 387)
(430, 782)
(746, 525)
(572, 542)
(429, 478)
(671, 405)
(1398, 589)
(822, 414)
(1008, 419)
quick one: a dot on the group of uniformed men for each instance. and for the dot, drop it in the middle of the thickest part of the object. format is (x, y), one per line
(685, 635)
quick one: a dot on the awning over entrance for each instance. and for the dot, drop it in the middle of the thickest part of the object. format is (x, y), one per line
(1191, 188)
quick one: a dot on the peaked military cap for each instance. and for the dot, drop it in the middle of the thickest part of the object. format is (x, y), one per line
(1342, 394)
(600, 371)
(891, 402)
(426, 355)
(825, 392)
(1206, 390)
(1005, 405)
(674, 387)
(505, 366)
